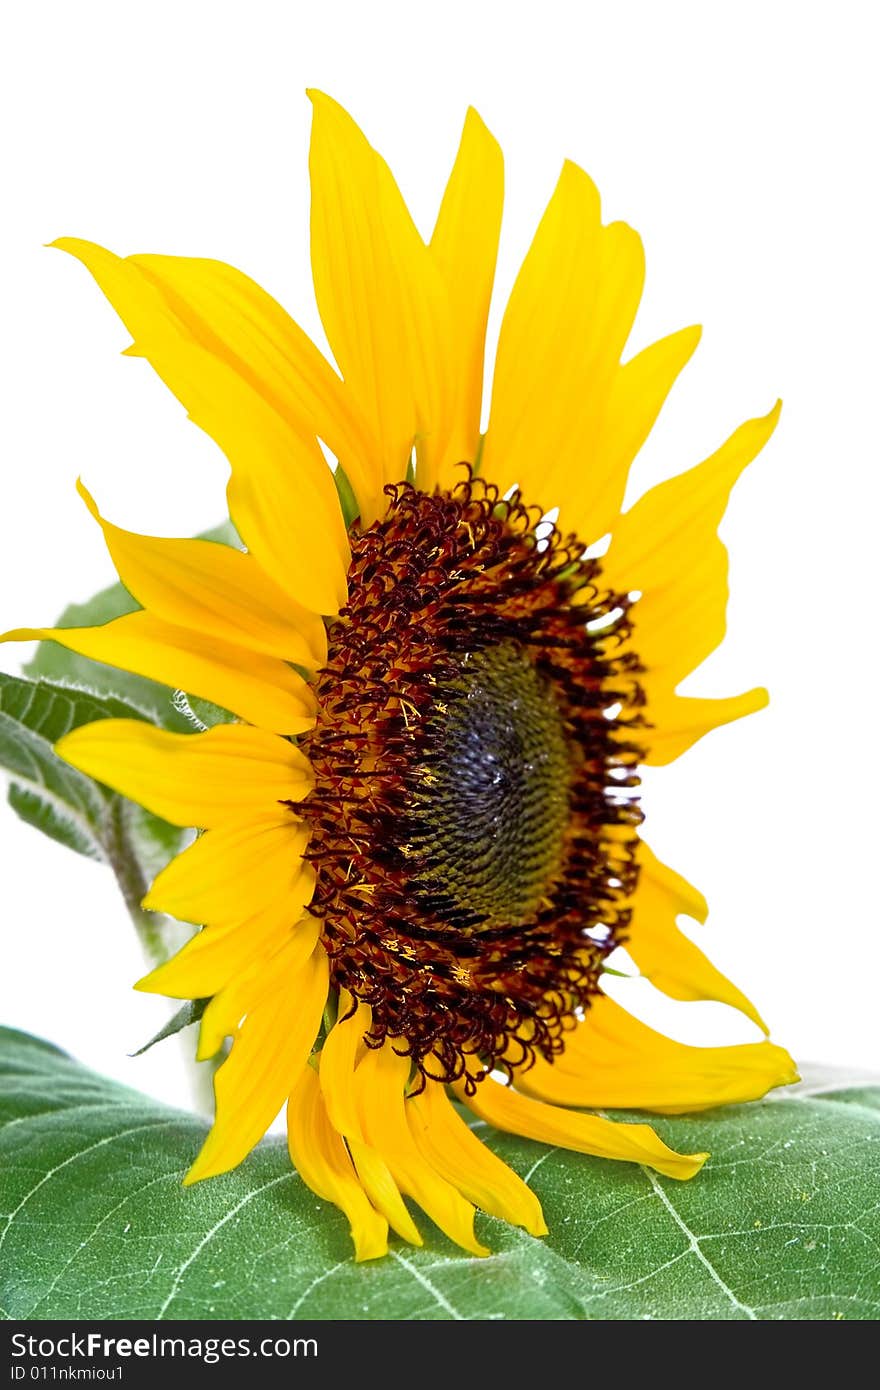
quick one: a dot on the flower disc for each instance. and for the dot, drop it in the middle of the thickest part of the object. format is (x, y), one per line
(473, 816)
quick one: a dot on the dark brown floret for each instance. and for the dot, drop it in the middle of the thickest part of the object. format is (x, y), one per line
(474, 817)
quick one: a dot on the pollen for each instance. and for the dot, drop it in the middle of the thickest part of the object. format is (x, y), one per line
(474, 816)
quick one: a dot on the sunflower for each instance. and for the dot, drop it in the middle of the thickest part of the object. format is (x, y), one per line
(419, 834)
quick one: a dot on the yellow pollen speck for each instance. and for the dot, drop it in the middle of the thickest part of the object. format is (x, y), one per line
(406, 705)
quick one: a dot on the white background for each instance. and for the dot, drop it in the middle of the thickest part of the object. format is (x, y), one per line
(740, 140)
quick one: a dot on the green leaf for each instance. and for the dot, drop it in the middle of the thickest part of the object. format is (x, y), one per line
(347, 500)
(782, 1223)
(200, 713)
(45, 791)
(55, 663)
(82, 814)
(188, 1014)
(58, 824)
(69, 807)
(155, 842)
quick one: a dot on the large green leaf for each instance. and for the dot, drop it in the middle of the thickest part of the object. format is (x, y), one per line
(782, 1223)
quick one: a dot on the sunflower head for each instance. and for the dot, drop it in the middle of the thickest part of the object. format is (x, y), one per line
(474, 769)
(420, 839)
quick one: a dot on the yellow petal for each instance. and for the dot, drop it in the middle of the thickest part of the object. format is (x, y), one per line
(322, 1161)
(276, 499)
(270, 1050)
(456, 1153)
(339, 1056)
(381, 1079)
(259, 977)
(215, 590)
(261, 689)
(218, 955)
(565, 326)
(678, 721)
(338, 1060)
(383, 1191)
(664, 954)
(237, 321)
(233, 871)
(635, 397)
(588, 1134)
(202, 780)
(282, 496)
(612, 1060)
(465, 247)
(667, 547)
(381, 296)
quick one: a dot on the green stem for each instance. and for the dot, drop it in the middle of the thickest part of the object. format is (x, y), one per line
(132, 883)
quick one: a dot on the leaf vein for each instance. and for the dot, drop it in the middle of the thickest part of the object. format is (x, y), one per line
(429, 1287)
(80, 1153)
(319, 1279)
(694, 1245)
(209, 1235)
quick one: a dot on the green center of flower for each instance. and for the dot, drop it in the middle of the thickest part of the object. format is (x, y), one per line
(491, 804)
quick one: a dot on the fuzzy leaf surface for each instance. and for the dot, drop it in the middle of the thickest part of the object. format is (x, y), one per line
(783, 1223)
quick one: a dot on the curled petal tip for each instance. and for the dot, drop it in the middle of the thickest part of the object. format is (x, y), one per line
(88, 499)
(321, 99)
(70, 244)
(472, 117)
